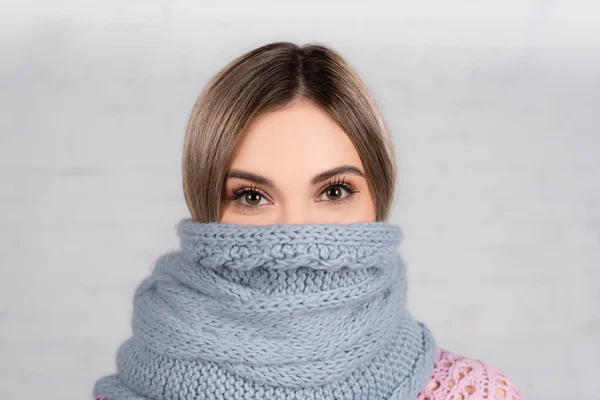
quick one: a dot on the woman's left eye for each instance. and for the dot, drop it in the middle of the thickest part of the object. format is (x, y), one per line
(335, 193)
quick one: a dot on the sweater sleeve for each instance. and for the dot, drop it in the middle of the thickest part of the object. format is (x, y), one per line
(459, 378)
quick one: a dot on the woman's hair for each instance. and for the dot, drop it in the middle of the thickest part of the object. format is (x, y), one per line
(266, 79)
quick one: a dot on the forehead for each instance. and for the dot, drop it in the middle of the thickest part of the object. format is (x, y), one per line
(301, 140)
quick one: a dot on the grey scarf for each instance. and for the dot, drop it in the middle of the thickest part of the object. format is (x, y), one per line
(283, 311)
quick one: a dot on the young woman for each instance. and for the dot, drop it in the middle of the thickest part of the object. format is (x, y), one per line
(288, 283)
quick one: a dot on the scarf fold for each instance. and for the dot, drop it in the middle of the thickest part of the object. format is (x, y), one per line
(281, 311)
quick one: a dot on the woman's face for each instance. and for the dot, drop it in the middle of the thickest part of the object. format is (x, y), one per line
(296, 166)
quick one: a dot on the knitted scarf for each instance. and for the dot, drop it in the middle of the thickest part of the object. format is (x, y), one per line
(282, 311)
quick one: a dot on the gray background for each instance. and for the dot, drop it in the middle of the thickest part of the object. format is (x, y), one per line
(495, 112)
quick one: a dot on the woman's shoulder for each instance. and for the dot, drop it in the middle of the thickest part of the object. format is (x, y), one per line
(459, 378)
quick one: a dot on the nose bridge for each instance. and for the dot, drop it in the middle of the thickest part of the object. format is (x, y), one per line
(293, 217)
(295, 212)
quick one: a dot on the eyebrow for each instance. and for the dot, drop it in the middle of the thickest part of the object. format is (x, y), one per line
(323, 176)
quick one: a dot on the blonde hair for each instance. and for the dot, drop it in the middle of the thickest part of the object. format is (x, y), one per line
(266, 79)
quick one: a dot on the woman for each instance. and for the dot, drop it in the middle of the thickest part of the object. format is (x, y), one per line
(288, 283)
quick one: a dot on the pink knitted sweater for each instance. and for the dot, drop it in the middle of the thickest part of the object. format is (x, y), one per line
(459, 378)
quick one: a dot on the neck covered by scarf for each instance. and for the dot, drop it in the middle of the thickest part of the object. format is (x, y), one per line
(284, 311)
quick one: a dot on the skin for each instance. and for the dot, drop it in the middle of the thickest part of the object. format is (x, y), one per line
(289, 148)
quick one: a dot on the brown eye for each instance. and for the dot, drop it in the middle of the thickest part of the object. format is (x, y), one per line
(253, 198)
(334, 193)
(249, 198)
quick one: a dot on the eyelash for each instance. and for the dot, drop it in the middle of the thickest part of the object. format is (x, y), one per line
(339, 182)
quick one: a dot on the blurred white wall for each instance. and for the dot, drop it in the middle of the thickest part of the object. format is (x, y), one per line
(495, 113)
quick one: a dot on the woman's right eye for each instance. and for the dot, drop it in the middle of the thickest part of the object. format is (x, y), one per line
(248, 198)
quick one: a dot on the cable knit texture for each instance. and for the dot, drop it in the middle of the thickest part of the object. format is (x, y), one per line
(283, 311)
(459, 378)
